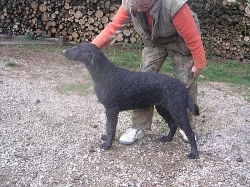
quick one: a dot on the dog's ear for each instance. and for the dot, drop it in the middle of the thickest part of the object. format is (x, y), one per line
(88, 56)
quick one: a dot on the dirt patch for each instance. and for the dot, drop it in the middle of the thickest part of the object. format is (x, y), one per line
(51, 138)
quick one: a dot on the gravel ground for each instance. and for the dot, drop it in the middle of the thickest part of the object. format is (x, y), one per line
(51, 137)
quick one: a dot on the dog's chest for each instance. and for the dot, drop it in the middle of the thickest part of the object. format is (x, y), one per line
(106, 94)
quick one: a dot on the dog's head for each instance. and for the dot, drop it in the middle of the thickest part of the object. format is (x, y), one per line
(85, 52)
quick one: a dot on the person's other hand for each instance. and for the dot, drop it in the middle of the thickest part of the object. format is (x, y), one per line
(196, 71)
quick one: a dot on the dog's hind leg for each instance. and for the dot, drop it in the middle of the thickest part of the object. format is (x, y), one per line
(171, 124)
(181, 118)
(112, 118)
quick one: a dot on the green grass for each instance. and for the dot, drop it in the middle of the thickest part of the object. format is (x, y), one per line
(41, 48)
(74, 88)
(232, 72)
(125, 57)
(12, 64)
(228, 71)
(129, 56)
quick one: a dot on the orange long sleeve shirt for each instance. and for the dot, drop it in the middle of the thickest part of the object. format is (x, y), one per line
(183, 22)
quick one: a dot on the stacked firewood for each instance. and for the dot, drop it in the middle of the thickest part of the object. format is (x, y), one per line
(225, 27)
(76, 20)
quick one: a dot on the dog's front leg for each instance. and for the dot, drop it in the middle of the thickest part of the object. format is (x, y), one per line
(112, 117)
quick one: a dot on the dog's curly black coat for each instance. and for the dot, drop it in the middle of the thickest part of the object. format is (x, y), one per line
(119, 89)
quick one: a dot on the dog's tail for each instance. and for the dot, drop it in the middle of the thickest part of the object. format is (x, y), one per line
(193, 107)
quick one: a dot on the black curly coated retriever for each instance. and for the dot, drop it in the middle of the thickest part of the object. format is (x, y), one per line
(119, 89)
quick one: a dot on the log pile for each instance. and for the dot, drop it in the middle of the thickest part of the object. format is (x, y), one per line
(225, 27)
(77, 20)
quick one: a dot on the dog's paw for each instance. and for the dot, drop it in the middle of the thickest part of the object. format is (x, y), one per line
(165, 139)
(104, 137)
(105, 146)
(193, 155)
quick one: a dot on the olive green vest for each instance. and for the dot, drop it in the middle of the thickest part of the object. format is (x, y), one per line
(163, 30)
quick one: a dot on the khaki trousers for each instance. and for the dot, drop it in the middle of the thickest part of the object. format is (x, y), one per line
(152, 60)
